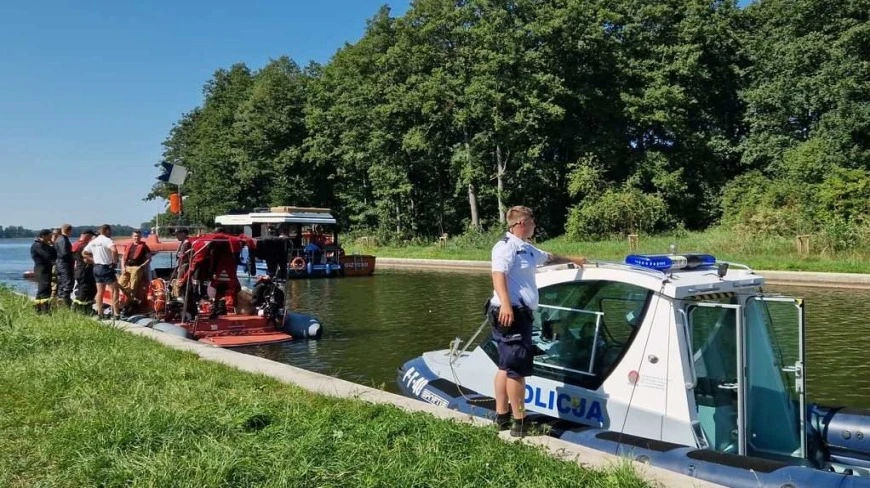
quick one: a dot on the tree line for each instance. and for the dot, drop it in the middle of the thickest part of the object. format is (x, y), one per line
(606, 116)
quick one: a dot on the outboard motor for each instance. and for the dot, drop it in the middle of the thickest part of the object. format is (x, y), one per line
(268, 298)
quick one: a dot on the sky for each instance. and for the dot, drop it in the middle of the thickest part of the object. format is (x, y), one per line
(89, 90)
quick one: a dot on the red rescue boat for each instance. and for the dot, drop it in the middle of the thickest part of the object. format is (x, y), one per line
(200, 297)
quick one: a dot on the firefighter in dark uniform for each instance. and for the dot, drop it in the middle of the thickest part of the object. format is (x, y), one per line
(64, 265)
(86, 284)
(44, 255)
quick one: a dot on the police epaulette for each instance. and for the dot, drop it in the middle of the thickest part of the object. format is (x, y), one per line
(505, 239)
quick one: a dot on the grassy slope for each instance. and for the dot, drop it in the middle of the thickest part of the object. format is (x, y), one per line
(766, 253)
(86, 405)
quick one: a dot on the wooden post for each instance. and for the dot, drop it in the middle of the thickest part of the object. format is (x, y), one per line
(803, 244)
(632, 242)
(442, 241)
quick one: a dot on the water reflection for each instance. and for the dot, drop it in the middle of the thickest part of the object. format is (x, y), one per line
(375, 324)
(837, 340)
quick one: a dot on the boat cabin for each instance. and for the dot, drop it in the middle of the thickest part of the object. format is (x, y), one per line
(662, 340)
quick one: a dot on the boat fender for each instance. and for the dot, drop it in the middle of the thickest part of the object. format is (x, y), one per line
(172, 329)
(144, 321)
(846, 433)
(301, 326)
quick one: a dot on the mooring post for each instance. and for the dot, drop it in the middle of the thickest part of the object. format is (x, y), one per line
(803, 244)
(632, 242)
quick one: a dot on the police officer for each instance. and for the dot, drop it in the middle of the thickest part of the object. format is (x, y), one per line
(64, 264)
(43, 254)
(514, 299)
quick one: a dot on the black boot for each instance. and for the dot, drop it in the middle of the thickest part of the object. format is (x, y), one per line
(43, 306)
(503, 421)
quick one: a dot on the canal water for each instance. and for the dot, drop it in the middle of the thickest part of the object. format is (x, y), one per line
(374, 324)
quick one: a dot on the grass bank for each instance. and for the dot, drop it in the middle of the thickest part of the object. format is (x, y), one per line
(771, 253)
(82, 404)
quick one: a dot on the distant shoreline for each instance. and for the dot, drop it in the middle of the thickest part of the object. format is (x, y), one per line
(25, 233)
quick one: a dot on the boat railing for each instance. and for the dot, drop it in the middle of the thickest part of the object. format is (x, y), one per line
(740, 265)
(622, 266)
(654, 272)
(455, 353)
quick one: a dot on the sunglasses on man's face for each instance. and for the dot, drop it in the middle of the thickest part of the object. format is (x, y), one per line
(531, 221)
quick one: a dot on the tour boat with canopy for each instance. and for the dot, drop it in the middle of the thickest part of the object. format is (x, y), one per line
(680, 361)
(301, 240)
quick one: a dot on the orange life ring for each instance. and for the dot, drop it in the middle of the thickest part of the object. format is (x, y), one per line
(297, 264)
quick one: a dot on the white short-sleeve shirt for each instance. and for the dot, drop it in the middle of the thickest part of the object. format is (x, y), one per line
(101, 248)
(517, 259)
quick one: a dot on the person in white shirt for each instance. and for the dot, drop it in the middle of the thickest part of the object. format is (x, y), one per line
(515, 297)
(102, 252)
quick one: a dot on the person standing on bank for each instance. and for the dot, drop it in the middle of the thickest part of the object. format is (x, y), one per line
(44, 257)
(86, 286)
(510, 309)
(64, 265)
(102, 252)
(136, 261)
(182, 259)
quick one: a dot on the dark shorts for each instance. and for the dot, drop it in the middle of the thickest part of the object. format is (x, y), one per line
(105, 274)
(514, 344)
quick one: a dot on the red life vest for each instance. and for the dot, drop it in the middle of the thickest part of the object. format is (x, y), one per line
(136, 254)
(78, 246)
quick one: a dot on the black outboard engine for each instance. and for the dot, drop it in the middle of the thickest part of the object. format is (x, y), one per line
(268, 298)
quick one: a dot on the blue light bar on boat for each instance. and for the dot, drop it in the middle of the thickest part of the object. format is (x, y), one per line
(667, 262)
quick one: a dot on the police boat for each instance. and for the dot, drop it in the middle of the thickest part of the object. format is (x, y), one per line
(678, 361)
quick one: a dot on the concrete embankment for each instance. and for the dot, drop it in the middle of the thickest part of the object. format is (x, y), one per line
(327, 385)
(790, 278)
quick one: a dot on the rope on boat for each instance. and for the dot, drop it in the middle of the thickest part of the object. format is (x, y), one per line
(453, 346)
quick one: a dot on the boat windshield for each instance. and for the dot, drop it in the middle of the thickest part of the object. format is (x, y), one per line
(583, 328)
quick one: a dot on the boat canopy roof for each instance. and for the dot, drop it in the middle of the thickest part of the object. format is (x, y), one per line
(678, 284)
(279, 215)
